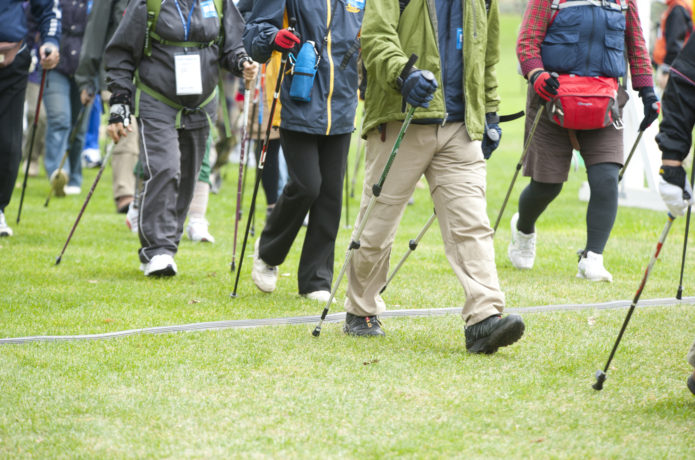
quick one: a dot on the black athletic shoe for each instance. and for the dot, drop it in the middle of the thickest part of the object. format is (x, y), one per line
(362, 326)
(691, 384)
(494, 332)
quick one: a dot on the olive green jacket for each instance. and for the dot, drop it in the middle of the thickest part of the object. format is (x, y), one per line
(389, 38)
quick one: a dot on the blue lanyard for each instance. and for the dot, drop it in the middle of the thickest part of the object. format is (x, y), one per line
(186, 25)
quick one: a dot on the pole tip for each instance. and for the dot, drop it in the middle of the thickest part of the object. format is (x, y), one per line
(233, 295)
(679, 294)
(58, 260)
(600, 378)
(316, 332)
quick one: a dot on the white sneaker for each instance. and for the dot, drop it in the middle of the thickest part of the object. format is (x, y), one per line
(73, 189)
(522, 248)
(5, 229)
(319, 296)
(264, 276)
(197, 230)
(131, 217)
(591, 268)
(160, 265)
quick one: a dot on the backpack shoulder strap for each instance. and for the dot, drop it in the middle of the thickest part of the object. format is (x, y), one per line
(153, 8)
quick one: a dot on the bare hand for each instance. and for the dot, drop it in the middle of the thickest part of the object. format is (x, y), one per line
(86, 97)
(50, 56)
(250, 71)
(116, 131)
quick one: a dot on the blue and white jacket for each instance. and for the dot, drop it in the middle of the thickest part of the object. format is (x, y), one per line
(13, 23)
(334, 94)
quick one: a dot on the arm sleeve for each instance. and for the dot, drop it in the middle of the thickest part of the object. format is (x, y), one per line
(233, 48)
(93, 45)
(492, 57)
(48, 14)
(678, 104)
(534, 26)
(124, 51)
(264, 23)
(637, 52)
(381, 50)
(677, 27)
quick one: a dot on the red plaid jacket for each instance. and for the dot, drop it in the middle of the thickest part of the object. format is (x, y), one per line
(537, 20)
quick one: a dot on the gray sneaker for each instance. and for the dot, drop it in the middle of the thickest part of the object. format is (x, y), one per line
(494, 332)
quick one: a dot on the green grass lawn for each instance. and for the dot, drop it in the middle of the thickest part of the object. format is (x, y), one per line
(279, 392)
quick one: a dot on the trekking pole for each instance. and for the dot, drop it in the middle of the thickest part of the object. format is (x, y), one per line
(358, 159)
(376, 191)
(601, 375)
(629, 157)
(518, 165)
(242, 151)
(412, 246)
(71, 140)
(679, 293)
(33, 136)
(261, 161)
(86, 202)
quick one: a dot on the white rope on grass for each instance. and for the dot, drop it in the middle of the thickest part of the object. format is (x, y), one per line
(334, 318)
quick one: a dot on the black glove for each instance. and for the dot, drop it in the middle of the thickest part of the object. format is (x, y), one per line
(652, 106)
(493, 134)
(120, 109)
(419, 87)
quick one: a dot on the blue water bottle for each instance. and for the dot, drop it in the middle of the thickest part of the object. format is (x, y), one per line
(304, 72)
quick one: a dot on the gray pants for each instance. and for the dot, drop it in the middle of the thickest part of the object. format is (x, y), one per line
(171, 161)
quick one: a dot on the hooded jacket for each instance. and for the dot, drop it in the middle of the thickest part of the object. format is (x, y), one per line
(13, 24)
(334, 93)
(388, 40)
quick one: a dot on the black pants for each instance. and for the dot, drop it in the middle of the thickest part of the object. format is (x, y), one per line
(316, 166)
(13, 85)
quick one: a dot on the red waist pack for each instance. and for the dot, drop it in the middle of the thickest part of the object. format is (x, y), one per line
(585, 103)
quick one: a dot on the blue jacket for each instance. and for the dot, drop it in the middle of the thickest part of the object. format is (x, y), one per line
(334, 93)
(586, 40)
(450, 33)
(13, 23)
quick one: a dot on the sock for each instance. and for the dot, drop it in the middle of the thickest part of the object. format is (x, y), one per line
(199, 203)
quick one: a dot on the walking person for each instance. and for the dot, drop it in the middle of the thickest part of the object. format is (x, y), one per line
(675, 27)
(62, 101)
(15, 58)
(163, 64)
(458, 44)
(577, 39)
(674, 139)
(315, 131)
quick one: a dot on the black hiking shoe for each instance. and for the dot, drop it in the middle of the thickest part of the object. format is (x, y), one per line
(494, 332)
(691, 384)
(362, 326)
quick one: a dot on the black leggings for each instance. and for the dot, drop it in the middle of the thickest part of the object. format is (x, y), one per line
(600, 213)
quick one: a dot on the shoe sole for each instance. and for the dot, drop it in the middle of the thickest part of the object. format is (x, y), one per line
(166, 271)
(503, 336)
(580, 275)
(347, 331)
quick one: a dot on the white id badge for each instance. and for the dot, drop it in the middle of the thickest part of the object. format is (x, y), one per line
(189, 79)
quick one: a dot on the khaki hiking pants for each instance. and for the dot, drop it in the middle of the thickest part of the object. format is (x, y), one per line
(455, 170)
(123, 159)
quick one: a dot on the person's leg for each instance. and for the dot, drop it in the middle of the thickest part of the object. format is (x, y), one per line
(533, 201)
(197, 228)
(270, 172)
(160, 158)
(603, 204)
(316, 263)
(74, 161)
(369, 266)
(281, 227)
(56, 99)
(13, 83)
(32, 96)
(456, 179)
(193, 144)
